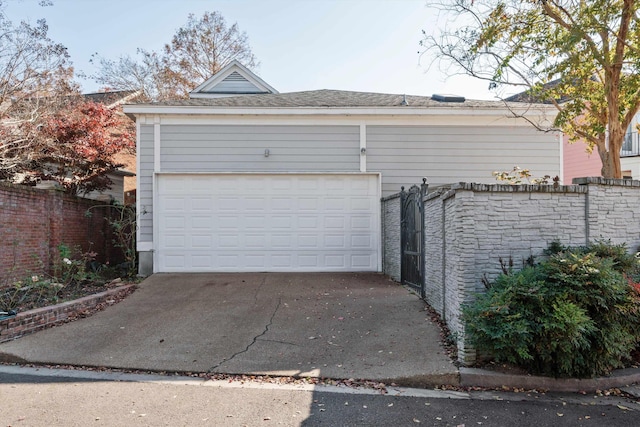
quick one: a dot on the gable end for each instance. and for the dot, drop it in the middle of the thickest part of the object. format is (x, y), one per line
(234, 79)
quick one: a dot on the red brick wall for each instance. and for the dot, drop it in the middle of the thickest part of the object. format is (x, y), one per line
(31, 321)
(34, 222)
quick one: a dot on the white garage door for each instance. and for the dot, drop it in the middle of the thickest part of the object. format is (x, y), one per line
(270, 222)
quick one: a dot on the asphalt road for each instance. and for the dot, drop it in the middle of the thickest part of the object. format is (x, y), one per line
(98, 400)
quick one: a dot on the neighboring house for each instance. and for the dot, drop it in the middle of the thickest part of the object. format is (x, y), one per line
(268, 181)
(117, 191)
(577, 162)
(123, 187)
(630, 153)
(124, 182)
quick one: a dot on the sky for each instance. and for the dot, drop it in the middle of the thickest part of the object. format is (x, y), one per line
(359, 45)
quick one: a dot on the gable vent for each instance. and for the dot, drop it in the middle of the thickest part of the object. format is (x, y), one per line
(447, 98)
(235, 77)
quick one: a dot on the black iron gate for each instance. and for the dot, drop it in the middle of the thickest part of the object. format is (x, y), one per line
(412, 237)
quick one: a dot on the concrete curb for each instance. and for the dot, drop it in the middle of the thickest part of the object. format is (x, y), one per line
(473, 377)
(626, 379)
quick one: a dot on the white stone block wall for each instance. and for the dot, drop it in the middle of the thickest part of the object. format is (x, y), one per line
(470, 227)
(391, 236)
(484, 223)
(434, 250)
(519, 225)
(614, 210)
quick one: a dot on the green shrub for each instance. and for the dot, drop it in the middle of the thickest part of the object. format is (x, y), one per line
(572, 315)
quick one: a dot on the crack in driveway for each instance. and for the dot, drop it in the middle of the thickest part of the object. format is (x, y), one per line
(255, 339)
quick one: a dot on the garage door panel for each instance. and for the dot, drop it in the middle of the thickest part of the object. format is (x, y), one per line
(225, 222)
(334, 241)
(174, 203)
(202, 224)
(228, 241)
(201, 261)
(307, 241)
(175, 262)
(228, 203)
(308, 261)
(360, 204)
(175, 241)
(335, 261)
(360, 222)
(175, 223)
(279, 222)
(202, 204)
(309, 183)
(307, 222)
(268, 223)
(362, 241)
(363, 261)
(255, 261)
(251, 222)
(256, 241)
(334, 223)
(307, 204)
(281, 241)
(202, 242)
(281, 261)
(283, 204)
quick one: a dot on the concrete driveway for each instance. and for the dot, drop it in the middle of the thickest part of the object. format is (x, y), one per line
(348, 325)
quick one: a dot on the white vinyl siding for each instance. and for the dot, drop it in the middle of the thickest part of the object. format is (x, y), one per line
(212, 148)
(234, 83)
(145, 192)
(445, 154)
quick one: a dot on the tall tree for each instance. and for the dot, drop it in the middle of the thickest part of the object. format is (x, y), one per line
(80, 142)
(197, 50)
(47, 129)
(581, 56)
(35, 75)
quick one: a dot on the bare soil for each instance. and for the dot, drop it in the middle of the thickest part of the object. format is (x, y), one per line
(32, 297)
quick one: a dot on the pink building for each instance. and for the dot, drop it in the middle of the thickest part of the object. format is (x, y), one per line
(577, 162)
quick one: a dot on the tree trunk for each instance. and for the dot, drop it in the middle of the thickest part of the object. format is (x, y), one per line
(611, 167)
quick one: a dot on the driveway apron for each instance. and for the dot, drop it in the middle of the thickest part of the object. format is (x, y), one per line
(330, 325)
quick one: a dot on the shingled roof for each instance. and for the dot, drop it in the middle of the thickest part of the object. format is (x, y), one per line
(327, 99)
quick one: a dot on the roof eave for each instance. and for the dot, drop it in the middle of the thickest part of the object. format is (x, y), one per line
(459, 110)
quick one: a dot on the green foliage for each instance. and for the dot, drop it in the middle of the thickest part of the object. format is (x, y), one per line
(124, 226)
(37, 287)
(573, 315)
(70, 268)
(583, 57)
(72, 276)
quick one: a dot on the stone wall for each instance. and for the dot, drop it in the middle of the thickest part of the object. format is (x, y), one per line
(470, 228)
(614, 209)
(434, 249)
(391, 236)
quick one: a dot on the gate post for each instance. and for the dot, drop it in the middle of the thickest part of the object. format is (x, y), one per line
(403, 225)
(424, 187)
